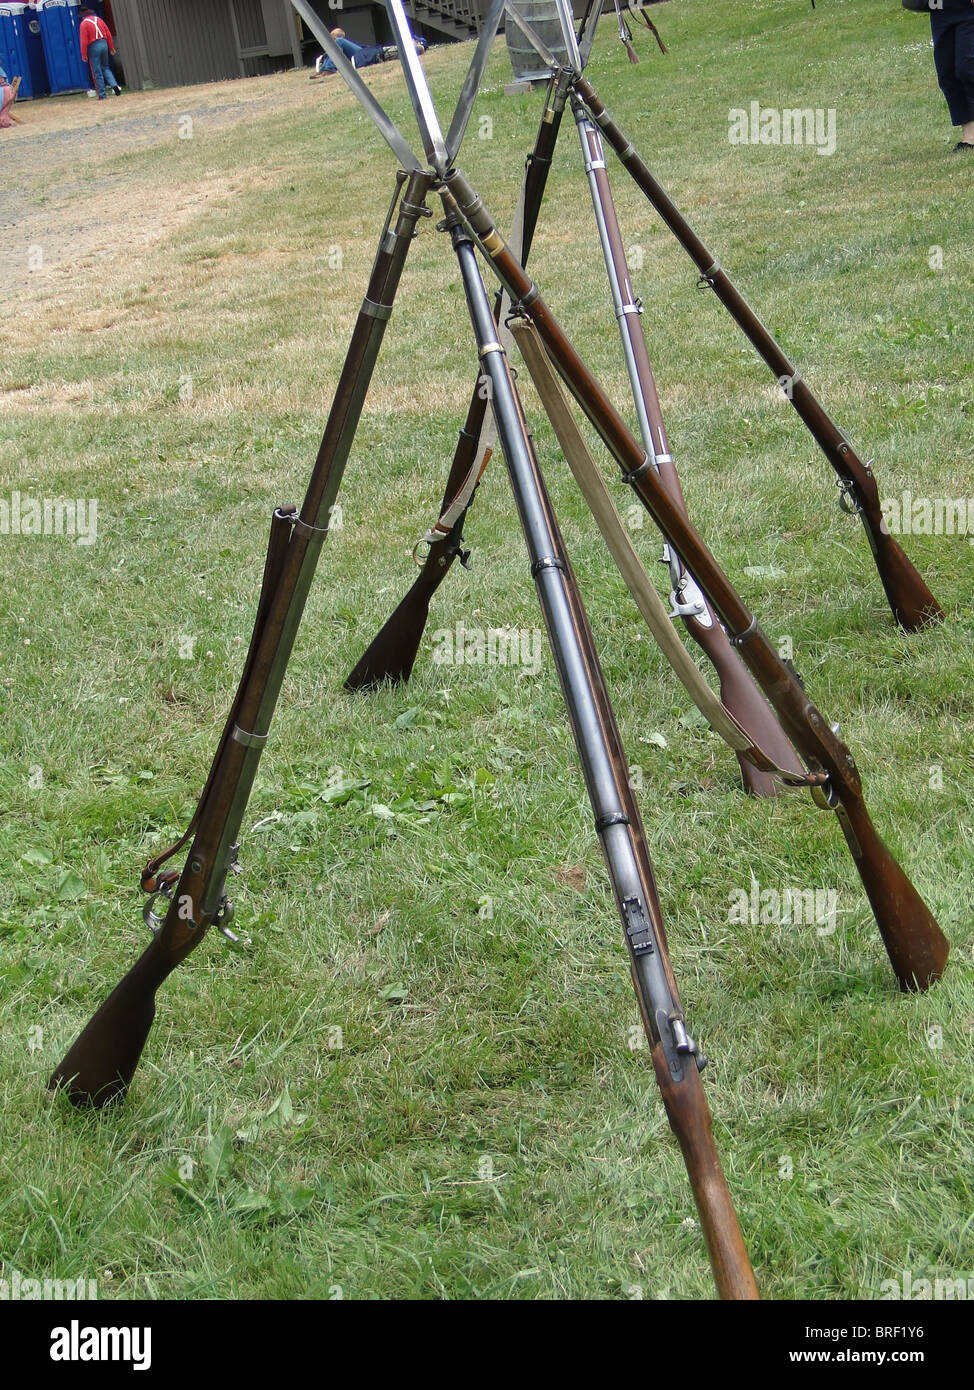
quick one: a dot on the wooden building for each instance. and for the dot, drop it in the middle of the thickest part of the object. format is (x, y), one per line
(168, 43)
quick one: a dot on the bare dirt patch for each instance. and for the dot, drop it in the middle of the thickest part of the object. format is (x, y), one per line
(66, 206)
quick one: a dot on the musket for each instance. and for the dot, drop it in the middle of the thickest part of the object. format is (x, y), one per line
(916, 947)
(99, 1066)
(677, 1060)
(913, 605)
(391, 654)
(739, 695)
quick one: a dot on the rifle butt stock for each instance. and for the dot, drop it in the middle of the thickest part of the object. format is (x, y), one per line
(689, 1118)
(916, 946)
(391, 654)
(98, 1068)
(914, 606)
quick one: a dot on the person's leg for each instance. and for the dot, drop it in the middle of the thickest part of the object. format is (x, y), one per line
(6, 101)
(945, 29)
(368, 54)
(964, 72)
(390, 50)
(97, 55)
(111, 82)
(350, 49)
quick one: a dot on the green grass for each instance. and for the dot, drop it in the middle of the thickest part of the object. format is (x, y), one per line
(489, 1125)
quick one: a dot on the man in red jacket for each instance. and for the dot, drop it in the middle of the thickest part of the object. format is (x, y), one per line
(96, 45)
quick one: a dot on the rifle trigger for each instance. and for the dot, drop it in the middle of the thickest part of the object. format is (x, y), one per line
(222, 922)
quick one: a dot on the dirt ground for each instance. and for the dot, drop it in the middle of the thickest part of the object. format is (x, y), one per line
(65, 202)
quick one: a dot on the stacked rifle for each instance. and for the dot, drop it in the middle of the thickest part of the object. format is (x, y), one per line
(763, 710)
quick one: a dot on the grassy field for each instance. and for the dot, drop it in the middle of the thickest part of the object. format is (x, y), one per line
(423, 1079)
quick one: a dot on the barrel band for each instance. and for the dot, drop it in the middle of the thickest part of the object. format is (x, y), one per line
(633, 477)
(376, 311)
(249, 740)
(308, 529)
(740, 638)
(547, 562)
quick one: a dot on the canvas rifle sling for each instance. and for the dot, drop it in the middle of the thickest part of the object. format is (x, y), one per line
(629, 564)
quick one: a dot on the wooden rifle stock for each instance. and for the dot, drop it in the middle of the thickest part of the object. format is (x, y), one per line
(916, 946)
(914, 942)
(99, 1066)
(913, 605)
(391, 654)
(689, 1118)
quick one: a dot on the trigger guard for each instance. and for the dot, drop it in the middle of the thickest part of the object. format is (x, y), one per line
(152, 919)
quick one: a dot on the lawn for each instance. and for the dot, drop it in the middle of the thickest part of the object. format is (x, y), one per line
(425, 1077)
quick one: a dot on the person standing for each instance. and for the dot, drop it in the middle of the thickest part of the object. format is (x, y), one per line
(952, 25)
(96, 46)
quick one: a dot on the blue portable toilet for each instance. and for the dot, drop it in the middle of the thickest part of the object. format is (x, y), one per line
(22, 49)
(62, 46)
